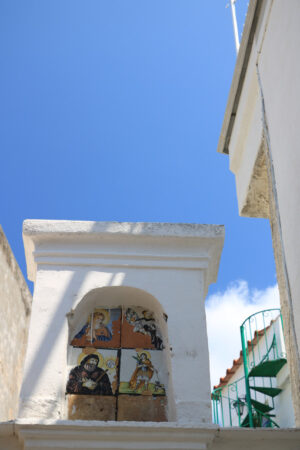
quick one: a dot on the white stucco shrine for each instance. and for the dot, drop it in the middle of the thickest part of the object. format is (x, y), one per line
(79, 266)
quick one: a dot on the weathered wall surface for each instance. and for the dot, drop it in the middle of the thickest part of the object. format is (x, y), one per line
(286, 307)
(282, 100)
(264, 156)
(15, 307)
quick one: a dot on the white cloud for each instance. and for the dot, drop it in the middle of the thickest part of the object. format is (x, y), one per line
(225, 312)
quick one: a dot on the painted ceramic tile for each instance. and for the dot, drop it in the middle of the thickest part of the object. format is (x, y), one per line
(141, 408)
(93, 372)
(102, 330)
(139, 329)
(142, 372)
(91, 407)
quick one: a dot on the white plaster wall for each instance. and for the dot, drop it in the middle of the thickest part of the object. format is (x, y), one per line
(246, 135)
(274, 53)
(247, 131)
(58, 292)
(283, 403)
(279, 65)
(275, 50)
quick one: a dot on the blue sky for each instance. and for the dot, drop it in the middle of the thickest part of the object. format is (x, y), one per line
(112, 110)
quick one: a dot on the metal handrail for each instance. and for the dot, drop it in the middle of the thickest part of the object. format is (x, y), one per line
(245, 349)
(256, 349)
(260, 312)
(259, 414)
(219, 400)
(266, 357)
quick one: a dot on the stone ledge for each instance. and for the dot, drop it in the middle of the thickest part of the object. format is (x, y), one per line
(122, 244)
(81, 435)
(161, 229)
(114, 436)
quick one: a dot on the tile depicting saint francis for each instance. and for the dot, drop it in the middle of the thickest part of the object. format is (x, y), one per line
(143, 372)
(140, 330)
(92, 371)
(101, 330)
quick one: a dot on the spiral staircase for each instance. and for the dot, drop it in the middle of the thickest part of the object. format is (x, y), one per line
(263, 356)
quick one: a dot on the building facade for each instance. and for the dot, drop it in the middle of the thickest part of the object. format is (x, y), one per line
(261, 135)
(256, 391)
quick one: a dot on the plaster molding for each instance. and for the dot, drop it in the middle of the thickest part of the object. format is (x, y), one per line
(252, 18)
(63, 228)
(117, 244)
(120, 260)
(82, 435)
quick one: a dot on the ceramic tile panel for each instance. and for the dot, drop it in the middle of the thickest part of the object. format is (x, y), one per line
(143, 372)
(101, 330)
(92, 371)
(140, 330)
(116, 369)
(142, 408)
(91, 407)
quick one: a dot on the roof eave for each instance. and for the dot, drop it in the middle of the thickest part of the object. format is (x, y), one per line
(252, 18)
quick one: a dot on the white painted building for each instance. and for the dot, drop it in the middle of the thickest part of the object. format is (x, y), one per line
(272, 393)
(261, 135)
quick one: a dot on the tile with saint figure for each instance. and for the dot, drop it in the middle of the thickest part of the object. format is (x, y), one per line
(101, 329)
(92, 371)
(143, 372)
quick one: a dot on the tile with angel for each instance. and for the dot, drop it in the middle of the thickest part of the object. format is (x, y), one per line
(140, 329)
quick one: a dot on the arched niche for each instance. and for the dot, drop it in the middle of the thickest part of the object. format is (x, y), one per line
(138, 367)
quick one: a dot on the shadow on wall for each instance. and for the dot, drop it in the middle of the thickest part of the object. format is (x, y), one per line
(107, 296)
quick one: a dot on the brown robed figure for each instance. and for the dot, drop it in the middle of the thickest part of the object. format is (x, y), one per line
(88, 378)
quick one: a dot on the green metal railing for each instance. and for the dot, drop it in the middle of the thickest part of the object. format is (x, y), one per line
(248, 401)
(227, 408)
(253, 329)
